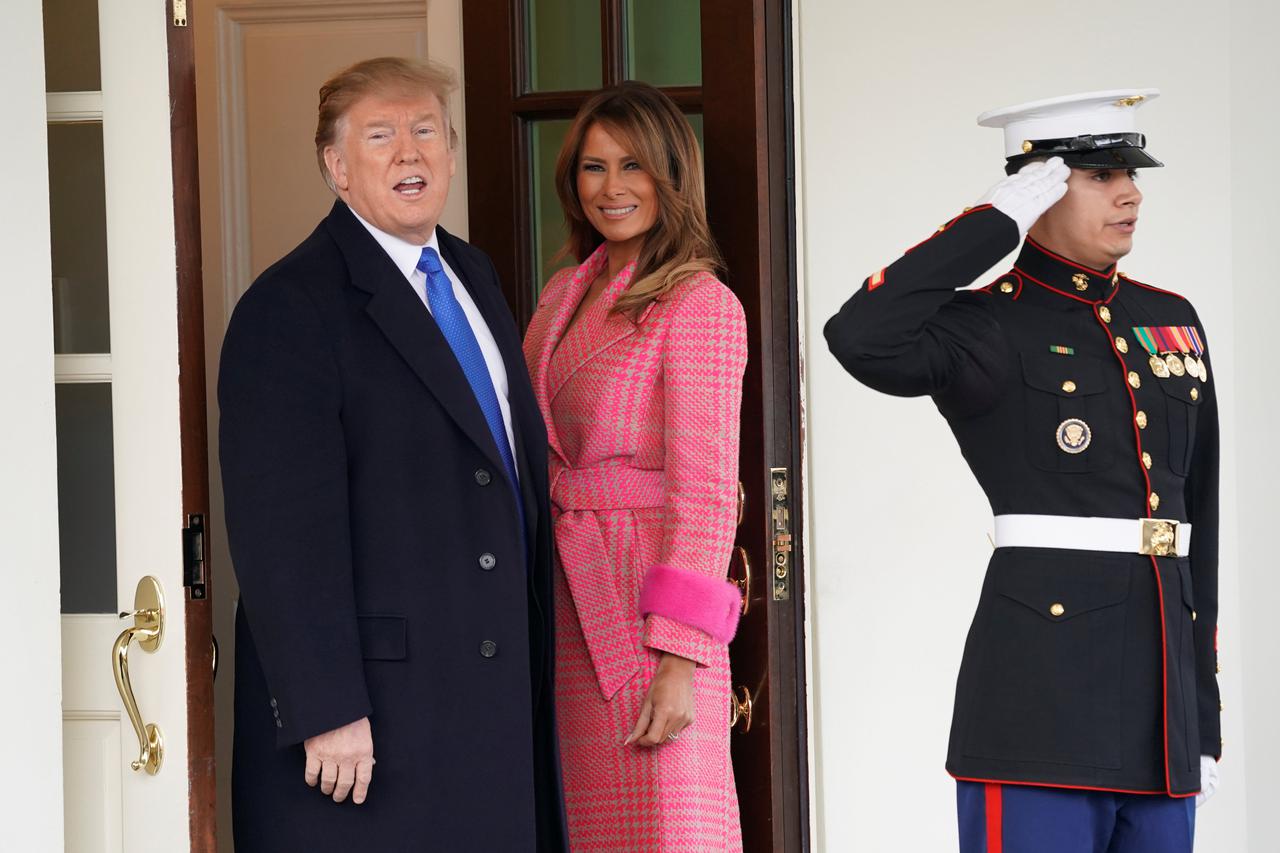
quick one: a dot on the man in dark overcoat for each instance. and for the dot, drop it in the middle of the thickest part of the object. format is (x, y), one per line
(384, 466)
(1086, 712)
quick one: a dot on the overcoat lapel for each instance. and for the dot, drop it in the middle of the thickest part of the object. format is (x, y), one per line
(408, 326)
(614, 328)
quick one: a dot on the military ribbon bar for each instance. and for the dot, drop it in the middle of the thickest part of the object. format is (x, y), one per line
(1157, 339)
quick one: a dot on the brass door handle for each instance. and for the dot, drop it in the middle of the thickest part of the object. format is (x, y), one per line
(148, 630)
(743, 580)
(740, 710)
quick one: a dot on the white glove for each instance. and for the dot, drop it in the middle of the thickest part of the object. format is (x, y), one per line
(1033, 190)
(1208, 779)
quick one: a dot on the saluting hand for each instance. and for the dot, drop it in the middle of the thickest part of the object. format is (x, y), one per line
(668, 706)
(1035, 188)
(340, 760)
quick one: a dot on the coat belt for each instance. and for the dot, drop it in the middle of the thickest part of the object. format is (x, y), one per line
(577, 494)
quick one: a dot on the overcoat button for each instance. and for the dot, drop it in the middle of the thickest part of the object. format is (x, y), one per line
(1069, 386)
(488, 561)
(1135, 381)
(1057, 609)
(1105, 313)
(488, 648)
(1006, 287)
(1141, 419)
(483, 477)
(1122, 344)
(1195, 394)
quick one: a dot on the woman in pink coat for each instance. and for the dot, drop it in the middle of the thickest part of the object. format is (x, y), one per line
(637, 359)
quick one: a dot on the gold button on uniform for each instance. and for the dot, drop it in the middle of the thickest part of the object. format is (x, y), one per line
(1057, 609)
(1068, 386)
(1154, 501)
(1146, 460)
(1195, 393)
(1193, 616)
(1105, 313)
(1122, 344)
(1140, 419)
(1135, 381)
(1006, 287)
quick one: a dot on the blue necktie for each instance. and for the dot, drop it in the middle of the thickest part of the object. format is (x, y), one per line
(457, 331)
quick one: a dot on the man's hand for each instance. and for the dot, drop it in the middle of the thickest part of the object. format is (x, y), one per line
(1208, 779)
(1028, 194)
(341, 759)
(668, 707)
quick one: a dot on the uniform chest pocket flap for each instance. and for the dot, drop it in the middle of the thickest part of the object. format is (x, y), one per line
(382, 637)
(1182, 399)
(1062, 598)
(1065, 412)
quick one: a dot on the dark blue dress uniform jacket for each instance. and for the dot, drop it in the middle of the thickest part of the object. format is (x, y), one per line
(382, 568)
(1119, 691)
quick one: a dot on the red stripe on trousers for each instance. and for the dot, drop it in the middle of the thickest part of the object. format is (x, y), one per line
(995, 825)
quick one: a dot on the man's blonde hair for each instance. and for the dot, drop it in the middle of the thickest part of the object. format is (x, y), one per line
(384, 75)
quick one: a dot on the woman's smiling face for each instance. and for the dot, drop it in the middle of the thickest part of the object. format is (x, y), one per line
(619, 198)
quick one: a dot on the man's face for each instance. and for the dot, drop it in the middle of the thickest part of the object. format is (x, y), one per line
(392, 162)
(1094, 222)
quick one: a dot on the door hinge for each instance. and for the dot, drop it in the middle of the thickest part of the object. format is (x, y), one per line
(779, 489)
(193, 576)
(179, 13)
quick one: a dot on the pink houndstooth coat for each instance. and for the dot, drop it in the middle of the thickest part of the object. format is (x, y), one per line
(642, 420)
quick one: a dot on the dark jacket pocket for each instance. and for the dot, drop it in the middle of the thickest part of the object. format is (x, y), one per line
(1046, 676)
(1182, 407)
(383, 637)
(1061, 389)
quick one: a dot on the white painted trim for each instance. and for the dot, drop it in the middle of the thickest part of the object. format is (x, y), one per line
(82, 368)
(74, 106)
(231, 21)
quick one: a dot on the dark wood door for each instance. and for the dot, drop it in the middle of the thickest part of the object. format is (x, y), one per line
(727, 64)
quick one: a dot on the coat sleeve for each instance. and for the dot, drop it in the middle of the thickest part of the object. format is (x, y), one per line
(695, 608)
(1202, 512)
(907, 332)
(284, 475)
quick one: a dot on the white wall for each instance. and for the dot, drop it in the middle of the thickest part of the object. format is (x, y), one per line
(888, 149)
(31, 793)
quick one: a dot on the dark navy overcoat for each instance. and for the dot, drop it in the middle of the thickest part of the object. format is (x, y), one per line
(382, 568)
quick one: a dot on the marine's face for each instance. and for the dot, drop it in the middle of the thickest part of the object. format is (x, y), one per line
(393, 162)
(1094, 222)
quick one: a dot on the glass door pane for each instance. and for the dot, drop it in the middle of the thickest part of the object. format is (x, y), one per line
(86, 498)
(78, 225)
(549, 232)
(563, 47)
(664, 42)
(71, 52)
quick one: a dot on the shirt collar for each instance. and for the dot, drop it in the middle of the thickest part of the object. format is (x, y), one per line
(403, 254)
(1043, 267)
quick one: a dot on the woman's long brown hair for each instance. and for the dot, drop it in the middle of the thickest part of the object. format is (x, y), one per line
(652, 129)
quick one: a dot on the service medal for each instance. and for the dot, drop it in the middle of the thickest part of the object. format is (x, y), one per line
(1158, 367)
(1175, 364)
(1074, 436)
(1189, 362)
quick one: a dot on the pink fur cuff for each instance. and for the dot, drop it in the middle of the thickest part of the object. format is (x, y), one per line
(709, 604)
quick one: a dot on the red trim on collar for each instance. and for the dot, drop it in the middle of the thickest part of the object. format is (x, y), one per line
(1107, 274)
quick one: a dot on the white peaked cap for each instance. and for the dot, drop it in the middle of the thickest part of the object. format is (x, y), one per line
(1090, 113)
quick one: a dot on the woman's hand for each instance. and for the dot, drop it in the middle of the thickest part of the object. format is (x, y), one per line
(668, 707)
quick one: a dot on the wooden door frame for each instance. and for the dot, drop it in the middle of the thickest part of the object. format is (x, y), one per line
(197, 600)
(750, 190)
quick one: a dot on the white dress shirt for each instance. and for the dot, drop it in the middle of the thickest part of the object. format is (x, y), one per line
(405, 256)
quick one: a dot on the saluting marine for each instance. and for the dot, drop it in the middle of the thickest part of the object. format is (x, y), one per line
(1087, 713)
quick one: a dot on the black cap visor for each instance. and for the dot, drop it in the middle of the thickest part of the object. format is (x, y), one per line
(1120, 151)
